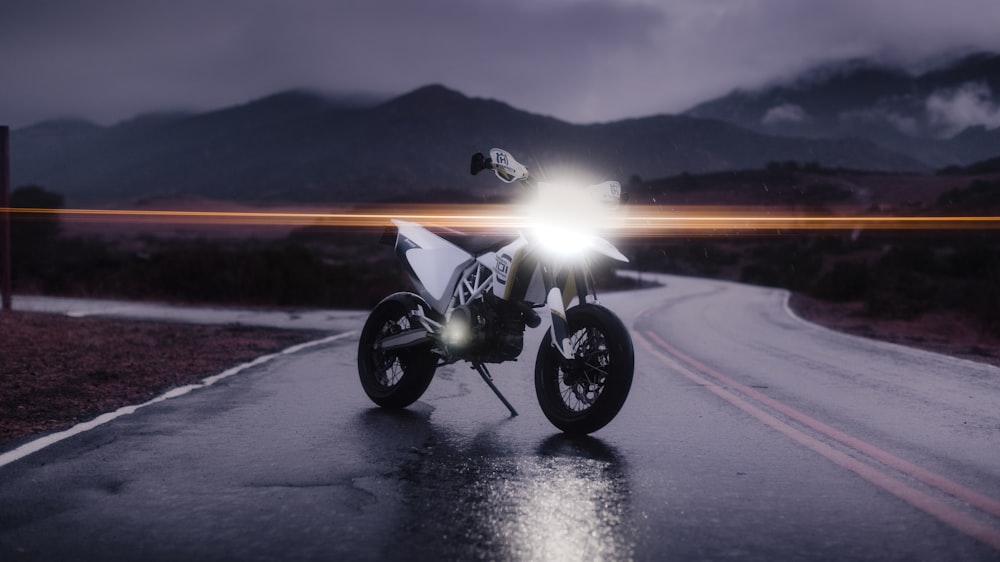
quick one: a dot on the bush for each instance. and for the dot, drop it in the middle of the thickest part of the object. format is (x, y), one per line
(33, 235)
(271, 273)
(978, 195)
(974, 260)
(918, 257)
(762, 274)
(846, 281)
(899, 294)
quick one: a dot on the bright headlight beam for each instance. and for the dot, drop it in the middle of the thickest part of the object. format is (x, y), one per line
(561, 240)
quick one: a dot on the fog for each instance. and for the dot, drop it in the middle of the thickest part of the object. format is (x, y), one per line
(579, 60)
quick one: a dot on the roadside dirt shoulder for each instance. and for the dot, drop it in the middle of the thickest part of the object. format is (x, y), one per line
(942, 332)
(56, 371)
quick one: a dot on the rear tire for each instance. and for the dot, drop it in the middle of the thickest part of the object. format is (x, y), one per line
(583, 396)
(394, 378)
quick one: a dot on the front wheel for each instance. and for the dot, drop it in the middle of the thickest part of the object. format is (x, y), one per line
(584, 394)
(393, 378)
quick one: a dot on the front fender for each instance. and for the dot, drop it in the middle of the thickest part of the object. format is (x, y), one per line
(607, 248)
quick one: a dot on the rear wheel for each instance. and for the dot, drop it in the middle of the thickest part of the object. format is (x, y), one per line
(393, 378)
(584, 394)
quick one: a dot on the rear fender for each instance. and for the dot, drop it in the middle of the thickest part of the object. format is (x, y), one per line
(412, 301)
(425, 322)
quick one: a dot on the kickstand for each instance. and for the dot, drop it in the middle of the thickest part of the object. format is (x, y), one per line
(481, 369)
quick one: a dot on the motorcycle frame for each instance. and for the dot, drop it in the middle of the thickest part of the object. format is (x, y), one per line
(465, 288)
(471, 276)
(561, 283)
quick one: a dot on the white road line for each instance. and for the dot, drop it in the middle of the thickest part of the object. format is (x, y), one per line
(43, 442)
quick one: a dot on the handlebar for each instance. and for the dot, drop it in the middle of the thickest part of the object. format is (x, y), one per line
(507, 167)
(508, 170)
(481, 162)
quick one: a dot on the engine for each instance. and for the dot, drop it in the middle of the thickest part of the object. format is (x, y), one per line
(488, 330)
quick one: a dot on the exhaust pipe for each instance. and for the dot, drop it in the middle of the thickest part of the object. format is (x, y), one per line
(409, 338)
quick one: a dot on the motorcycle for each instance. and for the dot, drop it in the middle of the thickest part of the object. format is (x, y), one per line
(476, 295)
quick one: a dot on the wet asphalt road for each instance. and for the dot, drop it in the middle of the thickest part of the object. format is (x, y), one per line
(749, 435)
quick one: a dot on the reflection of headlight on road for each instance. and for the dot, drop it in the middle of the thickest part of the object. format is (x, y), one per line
(558, 507)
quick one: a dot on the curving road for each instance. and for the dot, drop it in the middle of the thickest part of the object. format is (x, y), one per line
(749, 435)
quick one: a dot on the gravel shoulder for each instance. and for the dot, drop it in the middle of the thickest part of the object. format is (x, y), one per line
(56, 371)
(943, 332)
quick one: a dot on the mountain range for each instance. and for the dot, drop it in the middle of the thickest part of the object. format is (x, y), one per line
(947, 115)
(299, 146)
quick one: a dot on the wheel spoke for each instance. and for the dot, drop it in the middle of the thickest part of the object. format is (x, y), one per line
(389, 367)
(597, 368)
(584, 392)
(580, 390)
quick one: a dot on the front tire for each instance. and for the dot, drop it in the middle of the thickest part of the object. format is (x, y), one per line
(393, 378)
(585, 394)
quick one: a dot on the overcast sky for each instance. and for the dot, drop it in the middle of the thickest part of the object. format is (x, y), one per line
(579, 60)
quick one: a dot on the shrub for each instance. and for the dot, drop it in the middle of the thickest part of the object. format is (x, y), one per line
(846, 281)
(899, 294)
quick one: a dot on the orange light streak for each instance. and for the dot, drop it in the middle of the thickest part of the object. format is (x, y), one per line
(639, 221)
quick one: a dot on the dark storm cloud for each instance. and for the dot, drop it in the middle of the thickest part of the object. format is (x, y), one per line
(582, 60)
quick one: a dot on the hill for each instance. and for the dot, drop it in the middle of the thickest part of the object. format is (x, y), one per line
(300, 146)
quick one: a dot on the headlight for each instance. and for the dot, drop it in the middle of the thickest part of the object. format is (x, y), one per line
(561, 240)
(457, 331)
(563, 218)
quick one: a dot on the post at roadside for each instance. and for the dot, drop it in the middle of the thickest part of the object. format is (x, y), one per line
(5, 216)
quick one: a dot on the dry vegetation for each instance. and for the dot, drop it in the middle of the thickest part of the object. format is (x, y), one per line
(56, 371)
(944, 332)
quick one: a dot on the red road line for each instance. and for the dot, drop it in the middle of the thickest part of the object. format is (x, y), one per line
(956, 519)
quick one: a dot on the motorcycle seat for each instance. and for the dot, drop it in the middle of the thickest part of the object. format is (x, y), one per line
(475, 244)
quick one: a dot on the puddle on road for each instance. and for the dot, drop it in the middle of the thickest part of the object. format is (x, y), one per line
(568, 499)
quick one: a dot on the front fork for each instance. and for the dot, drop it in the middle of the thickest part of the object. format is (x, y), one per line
(559, 328)
(576, 284)
(558, 331)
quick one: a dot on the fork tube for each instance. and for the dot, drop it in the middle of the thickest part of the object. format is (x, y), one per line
(585, 283)
(559, 328)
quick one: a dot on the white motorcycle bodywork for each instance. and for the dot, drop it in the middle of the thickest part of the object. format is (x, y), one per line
(436, 263)
(438, 267)
(476, 295)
